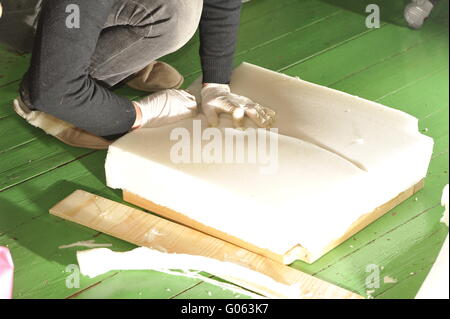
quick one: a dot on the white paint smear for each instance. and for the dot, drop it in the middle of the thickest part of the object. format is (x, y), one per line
(87, 243)
(445, 203)
(389, 280)
(95, 262)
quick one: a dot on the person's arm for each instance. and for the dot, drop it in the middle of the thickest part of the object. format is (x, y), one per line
(58, 78)
(218, 36)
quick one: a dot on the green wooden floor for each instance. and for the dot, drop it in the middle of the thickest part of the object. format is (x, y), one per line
(323, 41)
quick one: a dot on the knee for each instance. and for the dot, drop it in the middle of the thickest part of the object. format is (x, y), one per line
(175, 20)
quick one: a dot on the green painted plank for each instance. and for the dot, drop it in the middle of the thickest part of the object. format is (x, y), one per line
(441, 144)
(29, 200)
(423, 97)
(40, 264)
(436, 124)
(206, 290)
(397, 72)
(139, 284)
(7, 94)
(428, 196)
(312, 40)
(16, 131)
(390, 11)
(402, 252)
(306, 42)
(252, 10)
(358, 55)
(47, 280)
(29, 151)
(35, 272)
(12, 65)
(35, 158)
(257, 32)
(410, 285)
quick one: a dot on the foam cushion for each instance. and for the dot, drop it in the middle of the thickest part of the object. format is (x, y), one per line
(339, 157)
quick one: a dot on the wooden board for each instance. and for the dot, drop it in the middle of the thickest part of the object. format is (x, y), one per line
(296, 253)
(133, 225)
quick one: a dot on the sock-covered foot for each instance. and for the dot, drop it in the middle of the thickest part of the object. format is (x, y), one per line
(156, 76)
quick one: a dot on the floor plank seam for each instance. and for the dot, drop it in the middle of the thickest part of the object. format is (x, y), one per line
(410, 83)
(377, 63)
(35, 137)
(9, 83)
(187, 289)
(91, 286)
(284, 69)
(239, 54)
(47, 171)
(375, 239)
(412, 275)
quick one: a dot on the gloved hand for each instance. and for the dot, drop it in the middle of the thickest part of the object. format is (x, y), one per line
(217, 98)
(166, 107)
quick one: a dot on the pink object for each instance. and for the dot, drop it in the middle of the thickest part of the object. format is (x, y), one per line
(6, 273)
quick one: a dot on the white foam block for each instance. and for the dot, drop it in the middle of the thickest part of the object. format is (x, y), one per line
(339, 157)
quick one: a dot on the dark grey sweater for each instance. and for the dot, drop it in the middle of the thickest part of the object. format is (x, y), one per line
(58, 82)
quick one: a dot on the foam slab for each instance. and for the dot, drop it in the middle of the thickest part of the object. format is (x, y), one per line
(338, 158)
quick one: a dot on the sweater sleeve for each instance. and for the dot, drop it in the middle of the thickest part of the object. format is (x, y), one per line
(218, 36)
(58, 78)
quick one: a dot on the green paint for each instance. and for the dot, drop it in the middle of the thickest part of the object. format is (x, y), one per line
(325, 42)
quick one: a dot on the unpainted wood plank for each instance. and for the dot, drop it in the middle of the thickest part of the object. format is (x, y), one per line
(297, 252)
(134, 226)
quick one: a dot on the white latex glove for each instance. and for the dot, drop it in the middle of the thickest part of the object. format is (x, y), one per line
(166, 107)
(217, 98)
